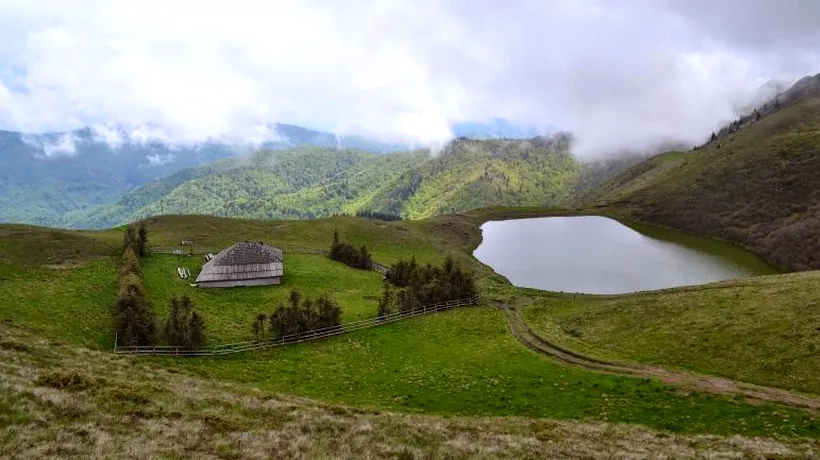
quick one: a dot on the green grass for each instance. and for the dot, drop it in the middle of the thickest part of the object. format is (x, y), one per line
(56, 401)
(464, 362)
(386, 241)
(763, 330)
(230, 312)
(72, 304)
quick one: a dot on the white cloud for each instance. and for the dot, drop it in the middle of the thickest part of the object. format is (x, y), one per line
(53, 146)
(617, 73)
(160, 160)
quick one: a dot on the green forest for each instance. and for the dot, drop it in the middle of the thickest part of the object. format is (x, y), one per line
(313, 182)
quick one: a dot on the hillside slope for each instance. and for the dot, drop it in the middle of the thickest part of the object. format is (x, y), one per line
(60, 401)
(756, 186)
(319, 182)
(47, 179)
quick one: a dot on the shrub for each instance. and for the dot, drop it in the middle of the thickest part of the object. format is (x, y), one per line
(302, 315)
(184, 327)
(349, 255)
(65, 380)
(430, 284)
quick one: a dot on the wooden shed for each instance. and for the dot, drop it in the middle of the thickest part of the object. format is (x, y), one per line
(243, 264)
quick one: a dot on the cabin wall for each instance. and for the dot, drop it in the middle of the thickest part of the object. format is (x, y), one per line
(241, 283)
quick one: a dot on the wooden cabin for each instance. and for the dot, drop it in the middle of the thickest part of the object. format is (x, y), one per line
(243, 264)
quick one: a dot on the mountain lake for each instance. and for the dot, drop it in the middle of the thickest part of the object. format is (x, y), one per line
(599, 255)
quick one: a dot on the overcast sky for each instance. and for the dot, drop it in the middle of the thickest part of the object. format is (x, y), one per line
(617, 73)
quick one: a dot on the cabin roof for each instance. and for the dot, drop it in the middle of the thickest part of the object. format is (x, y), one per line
(243, 261)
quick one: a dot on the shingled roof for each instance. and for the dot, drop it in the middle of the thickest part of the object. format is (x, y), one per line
(243, 261)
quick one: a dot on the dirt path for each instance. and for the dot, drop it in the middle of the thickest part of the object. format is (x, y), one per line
(703, 383)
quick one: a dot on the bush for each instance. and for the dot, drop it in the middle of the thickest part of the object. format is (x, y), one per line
(429, 284)
(302, 315)
(349, 255)
(129, 263)
(184, 327)
(65, 380)
(399, 273)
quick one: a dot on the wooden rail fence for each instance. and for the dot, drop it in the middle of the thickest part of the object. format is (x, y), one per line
(307, 336)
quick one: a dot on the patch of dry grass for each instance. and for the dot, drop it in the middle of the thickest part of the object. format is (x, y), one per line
(67, 402)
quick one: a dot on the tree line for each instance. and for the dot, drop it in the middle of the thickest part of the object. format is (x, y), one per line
(134, 319)
(299, 314)
(349, 254)
(377, 215)
(424, 285)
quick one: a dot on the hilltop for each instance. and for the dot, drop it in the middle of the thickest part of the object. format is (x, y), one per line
(319, 182)
(754, 184)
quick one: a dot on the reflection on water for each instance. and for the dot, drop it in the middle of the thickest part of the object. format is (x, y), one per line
(598, 255)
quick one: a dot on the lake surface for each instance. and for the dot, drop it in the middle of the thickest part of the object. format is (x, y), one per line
(598, 255)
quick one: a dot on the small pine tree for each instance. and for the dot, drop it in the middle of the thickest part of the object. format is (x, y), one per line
(142, 241)
(174, 330)
(129, 264)
(196, 328)
(259, 326)
(386, 302)
(713, 138)
(129, 239)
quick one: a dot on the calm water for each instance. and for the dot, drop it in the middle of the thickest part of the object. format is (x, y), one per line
(598, 255)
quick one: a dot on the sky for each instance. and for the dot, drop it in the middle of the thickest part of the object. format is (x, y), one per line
(618, 74)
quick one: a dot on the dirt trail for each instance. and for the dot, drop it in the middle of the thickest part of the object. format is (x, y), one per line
(703, 383)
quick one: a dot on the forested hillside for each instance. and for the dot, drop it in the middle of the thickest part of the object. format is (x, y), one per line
(56, 178)
(755, 184)
(316, 182)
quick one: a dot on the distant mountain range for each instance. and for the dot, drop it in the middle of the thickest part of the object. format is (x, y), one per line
(314, 182)
(499, 128)
(48, 177)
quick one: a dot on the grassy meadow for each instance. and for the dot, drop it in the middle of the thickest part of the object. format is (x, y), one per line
(229, 312)
(457, 363)
(465, 362)
(66, 401)
(763, 330)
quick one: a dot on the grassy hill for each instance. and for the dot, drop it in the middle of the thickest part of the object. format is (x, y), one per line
(756, 185)
(58, 286)
(763, 330)
(320, 182)
(58, 400)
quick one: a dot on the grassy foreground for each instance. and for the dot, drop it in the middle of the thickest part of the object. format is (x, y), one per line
(763, 330)
(59, 401)
(465, 362)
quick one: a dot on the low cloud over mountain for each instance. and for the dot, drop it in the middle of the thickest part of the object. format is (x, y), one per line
(618, 74)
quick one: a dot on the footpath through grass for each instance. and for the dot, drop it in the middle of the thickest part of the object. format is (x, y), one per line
(465, 362)
(763, 330)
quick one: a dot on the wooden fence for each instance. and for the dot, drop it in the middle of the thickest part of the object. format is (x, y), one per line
(307, 336)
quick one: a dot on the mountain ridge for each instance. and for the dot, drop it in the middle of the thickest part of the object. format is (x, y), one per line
(317, 182)
(754, 183)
